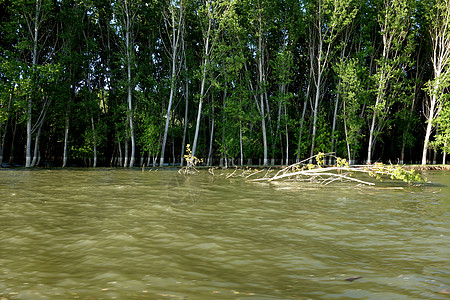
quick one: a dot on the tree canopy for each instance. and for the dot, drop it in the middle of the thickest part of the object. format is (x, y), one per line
(132, 82)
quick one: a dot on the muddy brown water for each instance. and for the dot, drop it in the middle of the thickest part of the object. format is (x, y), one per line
(127, 234)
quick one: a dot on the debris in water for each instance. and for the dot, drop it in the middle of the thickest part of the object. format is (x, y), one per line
(353, 278)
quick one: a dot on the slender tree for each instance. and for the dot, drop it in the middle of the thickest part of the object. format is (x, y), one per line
(328, 20)
(174, 25)
(351, 90)
(127, 16)
(439, 18)
(394, 20)
(213, 15)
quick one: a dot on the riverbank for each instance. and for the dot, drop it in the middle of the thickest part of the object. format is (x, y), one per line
(427, 167)
(177, 166)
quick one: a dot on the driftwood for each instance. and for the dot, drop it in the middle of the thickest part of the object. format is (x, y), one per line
(318, 173)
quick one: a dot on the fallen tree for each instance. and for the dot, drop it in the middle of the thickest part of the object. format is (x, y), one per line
(321, 174)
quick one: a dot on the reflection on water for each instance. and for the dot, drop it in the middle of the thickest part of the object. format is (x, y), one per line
(126, 234)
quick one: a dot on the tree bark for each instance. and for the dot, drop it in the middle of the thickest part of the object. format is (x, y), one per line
(66, 141)
(94, 137)
(261, 93)
(30, 101)
(125, 161)
(129, 90)
(183, 144)
(301, 123)
(205, 63)
(176, 35)
(211, 138)
(440, 60)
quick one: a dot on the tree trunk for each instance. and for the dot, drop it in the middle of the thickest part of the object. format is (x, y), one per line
(199, 113)
(166, 128)
(444, 155)
(277, 131)
(94, 136)
(66, 141)
(173, 151)
(30, 101)
(315, 111)
(301, 125)
(287, 137)
(36, 148)
(429, 128)
(183, 144)
(125, 161)
(380, 95)
(205, 64)
(371, 132)
(333, 128)
(346, 136)
(440, 41)
(38, 134)
(316, 54)
(133, 141)
(129, 18)
(120, 154)
(224, 148)
(261, 93)
(176, 35)
(263, 125)
(129, 96)
(241, 148)
(211, 139)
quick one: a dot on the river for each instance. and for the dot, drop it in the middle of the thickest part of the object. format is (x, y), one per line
(127, 234)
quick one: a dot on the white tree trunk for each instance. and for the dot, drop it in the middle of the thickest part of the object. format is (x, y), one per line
(211, 139)
(315, 111)
(241, 144)
(301, 126)
(125, 161)
(129, 96)
(94, 136)
(30, 101)
(371, 132)
(287, 138)
(176, 35)
(66, 141)
(333, 128)
(429, 128)
(183, 144)
(36, 147)
(199, 113)
(261, 82)
(120, 154)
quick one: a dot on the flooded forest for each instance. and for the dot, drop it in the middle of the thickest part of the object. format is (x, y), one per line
(127, 83)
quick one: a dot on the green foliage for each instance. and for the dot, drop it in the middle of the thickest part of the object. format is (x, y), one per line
(378, 170)
(442, 139)
(150, 133)
(323, 136)
(81, 61)
(351, 89)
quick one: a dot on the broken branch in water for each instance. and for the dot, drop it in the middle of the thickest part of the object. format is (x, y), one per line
(341, 171)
